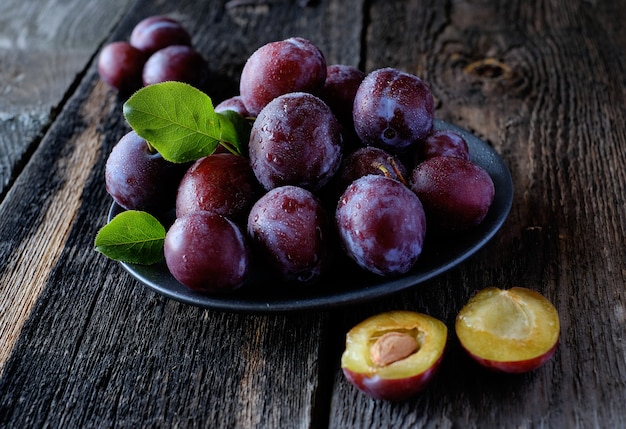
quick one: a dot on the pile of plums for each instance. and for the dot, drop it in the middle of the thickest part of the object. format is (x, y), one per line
(335, 156)
(159, 50)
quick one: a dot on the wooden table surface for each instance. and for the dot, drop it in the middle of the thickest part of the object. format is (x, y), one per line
(83, 344)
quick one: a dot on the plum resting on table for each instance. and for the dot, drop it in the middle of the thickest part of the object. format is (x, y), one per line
(509, 330)
(120, 65)
(157, 32)
(394, 355)
(180, 63)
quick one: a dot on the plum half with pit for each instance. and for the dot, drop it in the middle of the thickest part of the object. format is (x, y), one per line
(509, 330)
(394, 355)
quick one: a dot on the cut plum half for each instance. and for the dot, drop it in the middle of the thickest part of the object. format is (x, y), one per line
(514, 330)
(394, 355)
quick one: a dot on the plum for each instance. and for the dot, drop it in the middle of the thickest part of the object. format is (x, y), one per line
(456, 193)
(509, 330)
(394, 355)
(381, 224)
(276, 68)
(393, 110)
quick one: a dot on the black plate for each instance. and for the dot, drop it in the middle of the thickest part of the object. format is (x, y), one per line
(349, 284)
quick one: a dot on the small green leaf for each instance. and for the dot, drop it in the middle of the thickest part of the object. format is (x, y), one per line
(235, 128)
(134, 237)
(179, 121)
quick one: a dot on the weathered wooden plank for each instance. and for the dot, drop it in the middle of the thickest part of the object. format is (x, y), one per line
(98, 348)
(544, 85)
(44, 51)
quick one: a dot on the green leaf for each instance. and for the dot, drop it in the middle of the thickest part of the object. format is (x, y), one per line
(179, 121)
(134, 237)
(235, 128)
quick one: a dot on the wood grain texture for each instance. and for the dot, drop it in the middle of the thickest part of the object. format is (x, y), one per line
(44, 51)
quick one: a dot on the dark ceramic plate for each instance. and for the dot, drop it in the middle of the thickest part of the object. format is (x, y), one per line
(349, 285)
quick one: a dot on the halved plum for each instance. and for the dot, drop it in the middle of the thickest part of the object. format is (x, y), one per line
(514, 330)
(394, 355)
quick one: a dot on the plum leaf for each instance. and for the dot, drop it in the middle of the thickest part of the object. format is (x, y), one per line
(179, 121)
(134, 237)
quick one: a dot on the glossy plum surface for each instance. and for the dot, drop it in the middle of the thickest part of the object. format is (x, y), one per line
(281, 67)
(369, 160)
(456, 193)
(442, 143)
(295, 140)
(291, 230)
(120, 66)
(138, 178)
(266, 294)
(157, 32)
(207, 252)
(393, 110)
(179, 63)
(340, 87)
(234, 103)
(382, 225)
(222, 183)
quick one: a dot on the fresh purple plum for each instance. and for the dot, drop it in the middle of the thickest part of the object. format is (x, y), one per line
(369, 160)
(157, 32)
(207, 252)
(138, 178)
(120, 66)
(281, 67)
(222, 183)
(234, 103)
(381, 224)
(393, 110)
(340, 87)
(179, 63)
(295, 140)
(455, 192)
(291, 229)
(442, 143)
